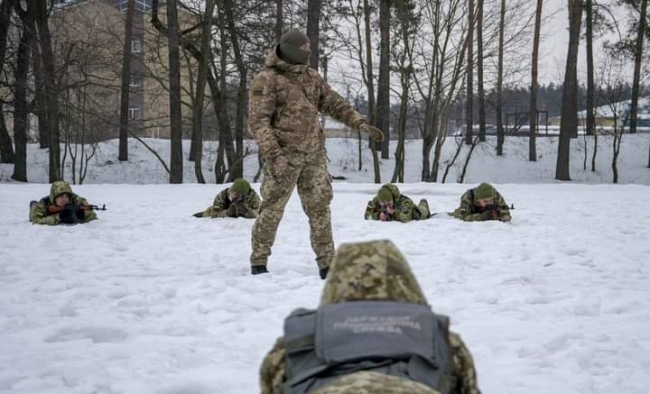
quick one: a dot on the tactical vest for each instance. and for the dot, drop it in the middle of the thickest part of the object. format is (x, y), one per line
(395, 338)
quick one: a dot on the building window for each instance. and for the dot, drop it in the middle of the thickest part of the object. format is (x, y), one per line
(136, 45)
(134, 113)
(135, 80)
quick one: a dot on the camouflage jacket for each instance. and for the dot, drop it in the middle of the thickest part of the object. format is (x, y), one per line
(405, 209)
(356, 274)
(284, 104)
(469, 211)
(222, 207)
(38, 213)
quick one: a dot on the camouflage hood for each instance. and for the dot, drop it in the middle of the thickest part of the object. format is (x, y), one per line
(394, 190)
(273, 60)
(58, 188)
(373, 270)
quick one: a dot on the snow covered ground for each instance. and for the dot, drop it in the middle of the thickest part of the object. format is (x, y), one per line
(149, 300)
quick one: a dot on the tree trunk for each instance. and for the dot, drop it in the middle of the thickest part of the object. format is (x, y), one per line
(237, 169)
(383, 85)
(313, 18)
(532, 142)
(638, 58)
(197, 116)
(21, 107)
(49, 82)
(39, 96)
(370, 85)
(175, 114)
(279, 20)
(225, 132)
(589, 19)
(593, 156)
(469, 104)
(499, 106)
(123, 154)
(479, 59)
(569, 120)
(6, 148)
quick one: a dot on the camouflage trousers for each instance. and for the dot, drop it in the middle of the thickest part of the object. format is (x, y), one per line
(309, 173)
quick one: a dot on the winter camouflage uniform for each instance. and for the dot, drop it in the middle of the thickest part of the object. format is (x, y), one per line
(470, 211)
(405, 209)
(38, 212)
(285, 100)
(374, 271)
(223, 207)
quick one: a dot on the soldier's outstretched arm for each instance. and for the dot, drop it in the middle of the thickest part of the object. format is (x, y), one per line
(332, 104)
(39, 215)
(272, 371)
(261, 107)
(463, 366)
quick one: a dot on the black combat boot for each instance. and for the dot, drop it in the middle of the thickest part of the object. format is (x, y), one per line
(323, 272)
(259, 269)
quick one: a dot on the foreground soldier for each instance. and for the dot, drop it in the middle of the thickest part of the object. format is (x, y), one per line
(389, 204)
(62, 206)
(373, 333)
(237, 201)
(482, 203)
(285, 99)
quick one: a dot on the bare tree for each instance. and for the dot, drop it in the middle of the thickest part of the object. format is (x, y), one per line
(21, 82)
(569, 121)
(589, 36)
(383, 84)
(370, 85)
(313, 30)
(532, 148)
(480, 71)
(499, 106)
(438, 81)
(49, 82)
(6, 149)
(469, 107)
(197, 116)
(408, 21)
(279, 21)
(173, 36)
(123, 154)
(638, 57)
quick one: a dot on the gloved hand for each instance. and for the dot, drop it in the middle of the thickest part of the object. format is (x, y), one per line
(67, 215)
(490, 214)
(80, 213)
(279, 166)
(232, 210)
(372, 131)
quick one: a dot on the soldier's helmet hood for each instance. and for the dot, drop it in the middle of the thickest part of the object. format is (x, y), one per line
(58, 188)
(373, 270)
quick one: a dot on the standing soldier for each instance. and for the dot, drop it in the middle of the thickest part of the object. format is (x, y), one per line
(482, 203)
(285, 99)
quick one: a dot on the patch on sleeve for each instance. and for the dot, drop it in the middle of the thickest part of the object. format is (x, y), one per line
(257, 88)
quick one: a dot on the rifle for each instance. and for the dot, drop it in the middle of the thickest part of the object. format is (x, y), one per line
(497, 207)
(52, 209)
(384, 209)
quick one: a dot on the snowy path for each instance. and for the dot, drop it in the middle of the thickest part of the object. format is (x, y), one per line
(151, 300)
